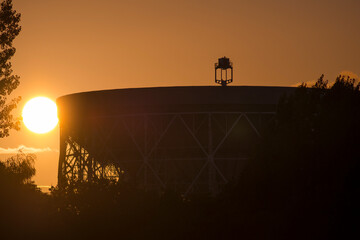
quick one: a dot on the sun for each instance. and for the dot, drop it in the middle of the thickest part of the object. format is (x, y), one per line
(40, 115)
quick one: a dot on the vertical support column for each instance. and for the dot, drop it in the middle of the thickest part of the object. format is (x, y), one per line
(212, 172)
(146, 157)
(92, 164)
(80, 159)
(90, 173)
(62, 156)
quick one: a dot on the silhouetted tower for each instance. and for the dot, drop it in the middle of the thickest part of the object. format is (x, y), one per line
(223, 64)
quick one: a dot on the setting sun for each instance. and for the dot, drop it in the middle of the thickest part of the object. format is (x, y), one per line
(40, 115)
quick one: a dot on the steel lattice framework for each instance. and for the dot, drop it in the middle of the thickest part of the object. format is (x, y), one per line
(186, 151)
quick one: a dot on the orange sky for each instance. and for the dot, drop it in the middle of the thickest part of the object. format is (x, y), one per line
(82, 45)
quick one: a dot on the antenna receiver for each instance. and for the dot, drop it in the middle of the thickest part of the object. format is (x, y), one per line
(224, 65)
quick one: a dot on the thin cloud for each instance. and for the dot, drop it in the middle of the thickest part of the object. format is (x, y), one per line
(25, 149)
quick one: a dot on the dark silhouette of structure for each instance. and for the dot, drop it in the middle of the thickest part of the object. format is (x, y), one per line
(301, 184)
(224, 65)
(188, 139)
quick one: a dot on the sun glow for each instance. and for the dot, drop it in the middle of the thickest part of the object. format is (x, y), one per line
(40, 115)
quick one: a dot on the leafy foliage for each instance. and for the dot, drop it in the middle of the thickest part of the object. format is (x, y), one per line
(21, 167)
(22, 205)
(304, 179)
(9, 30)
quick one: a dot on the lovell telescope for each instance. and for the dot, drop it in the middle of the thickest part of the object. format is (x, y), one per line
(191, 140)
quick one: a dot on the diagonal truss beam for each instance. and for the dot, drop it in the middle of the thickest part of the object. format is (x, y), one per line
(208, 155)
(146, 153)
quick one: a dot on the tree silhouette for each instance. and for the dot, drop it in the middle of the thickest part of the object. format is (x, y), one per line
(20, 167)
(304, 182)
(9, 30)
(23, 208)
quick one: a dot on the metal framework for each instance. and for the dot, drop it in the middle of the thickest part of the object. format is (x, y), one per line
(187, 139)
(189, 152)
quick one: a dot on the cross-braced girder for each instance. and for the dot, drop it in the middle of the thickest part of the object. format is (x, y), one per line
(188, 152)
